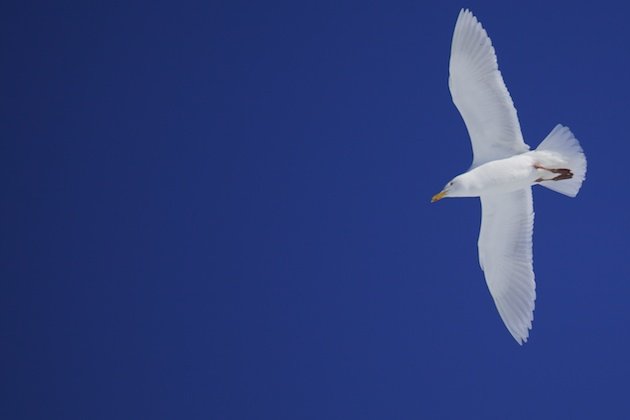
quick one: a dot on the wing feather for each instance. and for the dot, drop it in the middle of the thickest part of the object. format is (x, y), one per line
(480, 95)
(505, 255)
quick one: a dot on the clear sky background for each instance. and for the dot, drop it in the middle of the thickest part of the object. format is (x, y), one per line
(220, 210)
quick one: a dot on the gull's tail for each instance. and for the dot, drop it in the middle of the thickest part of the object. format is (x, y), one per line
(562, 144)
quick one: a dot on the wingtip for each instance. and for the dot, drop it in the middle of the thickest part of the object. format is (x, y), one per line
(466, 11)
(523, 336)
(521, 339)
(467, 14)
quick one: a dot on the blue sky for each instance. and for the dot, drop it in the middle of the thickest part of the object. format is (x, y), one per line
(221, 211)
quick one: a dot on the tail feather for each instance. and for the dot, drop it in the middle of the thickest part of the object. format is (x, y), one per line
(562, 142)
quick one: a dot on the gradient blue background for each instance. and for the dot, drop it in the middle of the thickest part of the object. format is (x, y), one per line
(221, 211)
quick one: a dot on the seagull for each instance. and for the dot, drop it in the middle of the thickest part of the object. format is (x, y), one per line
(503, 171)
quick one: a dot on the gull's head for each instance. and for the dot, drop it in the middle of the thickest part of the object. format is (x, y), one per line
(456, 187)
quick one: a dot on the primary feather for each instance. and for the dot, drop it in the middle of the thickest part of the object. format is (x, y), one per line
(505, 255)
(480, 95)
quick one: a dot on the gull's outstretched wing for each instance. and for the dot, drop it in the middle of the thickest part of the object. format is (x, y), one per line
(505, 256)
(480, 95)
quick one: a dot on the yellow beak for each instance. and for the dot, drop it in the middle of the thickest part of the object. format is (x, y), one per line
(438, 196)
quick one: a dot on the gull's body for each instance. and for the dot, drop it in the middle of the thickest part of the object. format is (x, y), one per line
(503, 171)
